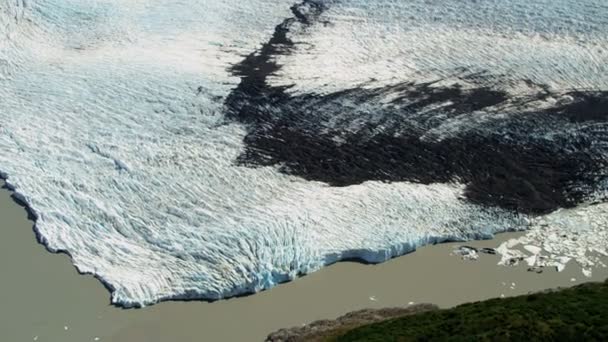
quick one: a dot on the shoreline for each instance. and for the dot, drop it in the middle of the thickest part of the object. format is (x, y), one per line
(43, 294)
(361, 256)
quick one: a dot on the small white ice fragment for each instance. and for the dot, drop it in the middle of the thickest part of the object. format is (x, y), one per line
(35, 338)
(502, 295)
(410, 303)
(572, 279)
(372, 298)
(531, 260)
(511, 243)
(65, 328)
(533, 249)
(96, 339)
(587, 272)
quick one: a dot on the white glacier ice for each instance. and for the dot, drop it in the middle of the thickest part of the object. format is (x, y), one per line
(112, 132)
(370, 43)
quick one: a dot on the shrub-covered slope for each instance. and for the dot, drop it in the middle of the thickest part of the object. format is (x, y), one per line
(575, 314)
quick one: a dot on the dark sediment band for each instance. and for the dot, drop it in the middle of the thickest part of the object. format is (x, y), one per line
(530, 160)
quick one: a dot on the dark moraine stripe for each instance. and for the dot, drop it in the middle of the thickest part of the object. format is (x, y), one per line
(531, 161)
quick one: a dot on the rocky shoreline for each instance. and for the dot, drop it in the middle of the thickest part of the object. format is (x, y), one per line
(322, 329)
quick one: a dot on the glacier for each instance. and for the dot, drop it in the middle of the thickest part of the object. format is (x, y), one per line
(182, 150)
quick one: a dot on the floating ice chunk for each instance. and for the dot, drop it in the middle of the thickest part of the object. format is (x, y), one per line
(531, 260)
(567, 234)
(533, 249)
(467, 253)
(509, 257)
(587, 272)
(488, 250)
(511, 243)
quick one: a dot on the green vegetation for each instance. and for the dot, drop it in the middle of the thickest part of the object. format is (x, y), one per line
(576, 314)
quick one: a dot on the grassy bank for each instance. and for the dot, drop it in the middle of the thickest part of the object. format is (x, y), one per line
(575, 314)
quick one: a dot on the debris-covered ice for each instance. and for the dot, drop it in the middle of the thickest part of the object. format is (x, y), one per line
(472, 253)
(467, 253)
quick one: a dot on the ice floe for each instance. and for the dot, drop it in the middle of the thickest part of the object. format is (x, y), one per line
(577, 234)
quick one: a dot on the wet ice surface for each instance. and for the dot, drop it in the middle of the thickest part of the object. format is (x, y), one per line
(112, 130)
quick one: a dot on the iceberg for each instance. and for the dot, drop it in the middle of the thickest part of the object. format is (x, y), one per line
(215, 148)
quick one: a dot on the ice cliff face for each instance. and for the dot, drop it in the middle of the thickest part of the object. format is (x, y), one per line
(213, 148)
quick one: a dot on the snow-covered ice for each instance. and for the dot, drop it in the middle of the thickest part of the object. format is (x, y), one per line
(112, 130)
